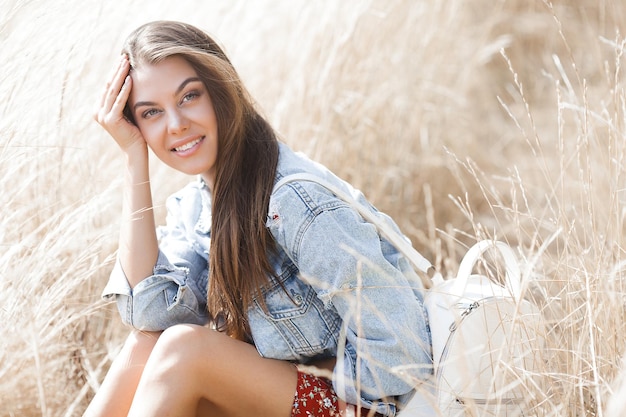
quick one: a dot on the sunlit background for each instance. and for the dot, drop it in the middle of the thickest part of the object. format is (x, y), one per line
(463, 119)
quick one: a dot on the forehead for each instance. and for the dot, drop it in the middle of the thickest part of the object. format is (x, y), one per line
(161, 79)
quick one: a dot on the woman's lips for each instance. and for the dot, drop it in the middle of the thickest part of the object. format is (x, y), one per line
(188, 146)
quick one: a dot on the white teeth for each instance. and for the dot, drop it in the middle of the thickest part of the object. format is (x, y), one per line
(187, 145)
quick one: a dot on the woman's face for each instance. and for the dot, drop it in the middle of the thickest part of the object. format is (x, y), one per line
(175, 115)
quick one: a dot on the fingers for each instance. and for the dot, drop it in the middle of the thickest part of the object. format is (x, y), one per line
(122, 97)
(113, 91)
(110, 114)
(109, 77)
(116, 84)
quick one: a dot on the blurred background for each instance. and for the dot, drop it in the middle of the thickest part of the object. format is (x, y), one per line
(463, 119)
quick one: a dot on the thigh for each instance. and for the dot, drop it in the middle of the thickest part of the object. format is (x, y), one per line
(228, 377)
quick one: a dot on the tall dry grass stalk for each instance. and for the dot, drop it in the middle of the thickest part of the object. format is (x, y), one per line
(462, 119)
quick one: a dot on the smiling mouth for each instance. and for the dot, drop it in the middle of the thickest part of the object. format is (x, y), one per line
(188, 145)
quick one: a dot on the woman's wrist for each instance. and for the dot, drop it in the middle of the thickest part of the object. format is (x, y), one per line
(135, 152)
(137, 159)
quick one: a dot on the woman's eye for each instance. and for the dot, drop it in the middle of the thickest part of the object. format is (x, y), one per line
(190, 96)
(149, 113)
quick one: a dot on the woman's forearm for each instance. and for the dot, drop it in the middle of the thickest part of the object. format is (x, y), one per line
(138, 247)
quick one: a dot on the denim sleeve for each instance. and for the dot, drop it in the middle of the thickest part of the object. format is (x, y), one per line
(175, 293)
(385, 325)
(162, 300)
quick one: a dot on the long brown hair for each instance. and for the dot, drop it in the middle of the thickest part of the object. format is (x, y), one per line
(245, 169)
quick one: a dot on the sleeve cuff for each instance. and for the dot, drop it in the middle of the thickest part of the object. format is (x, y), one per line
(117, 284)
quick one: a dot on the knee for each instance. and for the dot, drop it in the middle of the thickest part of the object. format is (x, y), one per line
(181, 335)
(179, 346)
(140, 340)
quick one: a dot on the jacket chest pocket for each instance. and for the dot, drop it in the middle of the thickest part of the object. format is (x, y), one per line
(295, 325)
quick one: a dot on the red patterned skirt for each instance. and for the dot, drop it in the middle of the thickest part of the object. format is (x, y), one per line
(315, 397)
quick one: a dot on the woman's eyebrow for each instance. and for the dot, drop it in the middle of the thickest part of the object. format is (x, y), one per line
(178, 90)
(184, 83)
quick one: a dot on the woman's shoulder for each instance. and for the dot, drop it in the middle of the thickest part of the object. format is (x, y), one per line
(298, 170)
(292, 163)
(300, 180)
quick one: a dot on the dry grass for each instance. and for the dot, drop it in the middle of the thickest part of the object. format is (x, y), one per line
(462, 119)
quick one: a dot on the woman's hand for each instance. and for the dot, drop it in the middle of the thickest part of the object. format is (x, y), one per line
(110, 113)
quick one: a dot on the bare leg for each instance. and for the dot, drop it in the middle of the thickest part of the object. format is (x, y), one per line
(194, 370)
(115, 395)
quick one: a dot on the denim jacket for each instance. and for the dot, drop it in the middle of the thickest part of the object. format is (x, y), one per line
(340, 289)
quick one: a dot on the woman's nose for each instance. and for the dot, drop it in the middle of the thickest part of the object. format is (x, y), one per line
(177, 122)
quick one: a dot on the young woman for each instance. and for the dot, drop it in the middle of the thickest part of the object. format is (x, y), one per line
(252, 300)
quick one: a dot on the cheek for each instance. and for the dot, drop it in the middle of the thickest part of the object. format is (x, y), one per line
(149, 133)
(206, 112)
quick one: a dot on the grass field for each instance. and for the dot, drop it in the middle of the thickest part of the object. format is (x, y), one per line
(463, 119)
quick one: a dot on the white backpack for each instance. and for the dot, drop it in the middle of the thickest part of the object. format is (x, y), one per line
(486, 339)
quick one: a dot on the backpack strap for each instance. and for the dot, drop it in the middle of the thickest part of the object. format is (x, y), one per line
(397, 240)
(512, 276)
